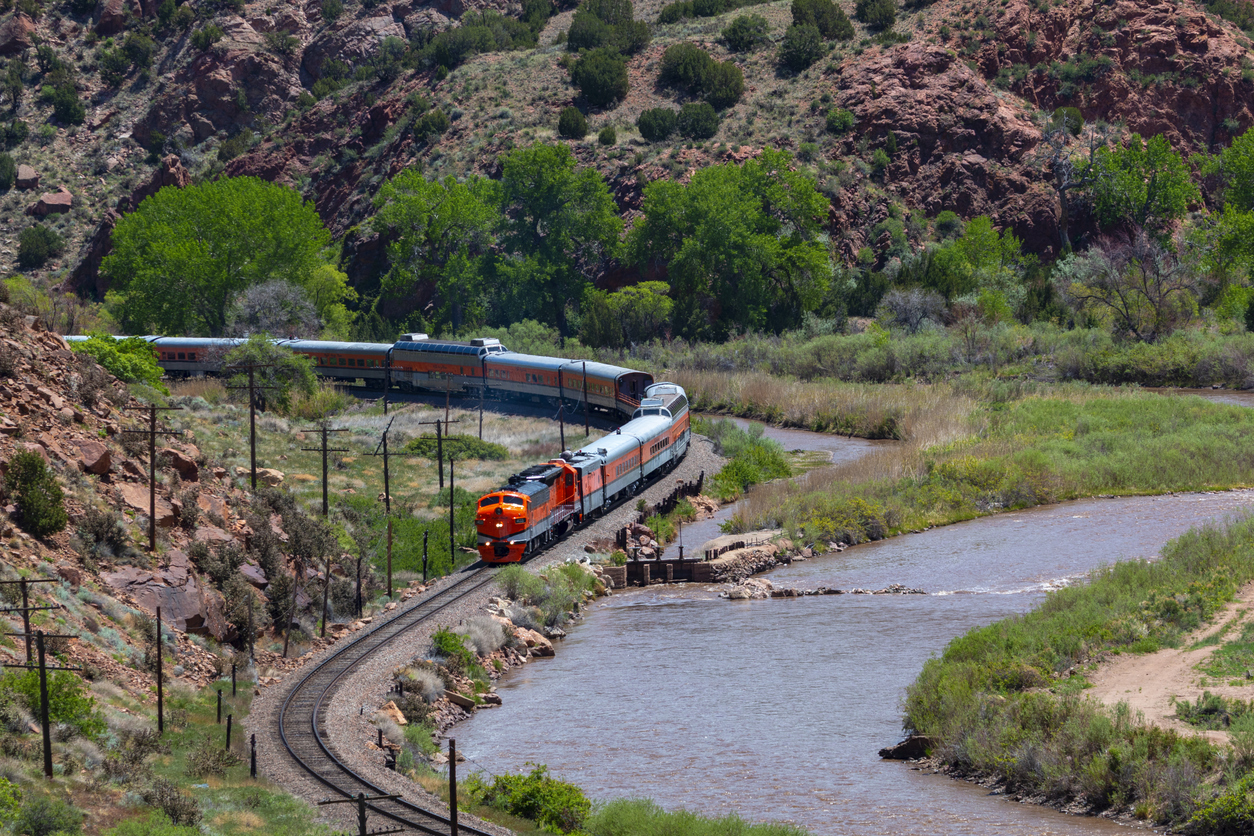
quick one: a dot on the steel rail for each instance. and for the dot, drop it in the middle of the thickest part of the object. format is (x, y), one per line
(305, 701)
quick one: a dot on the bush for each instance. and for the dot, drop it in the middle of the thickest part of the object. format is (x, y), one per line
(839, 121)
(879, 162)
(801, 47)
(139, 49)
(462, 447)
(486, 634)
(45, 816)
(181, 809)
(557, 806)
(331, 10)
(33, 488)
(607, 136)
(232, 147)
(601, 76)
(572, 124)
(8, 172)
(15, 133)
(724, 84)
(877, 14)
(746, 33)
(824, 15)
(948, 224)
(36, 244)
(66, 105)
(687, 65)
(130, 360)
(206, 36)
(697, 121)
(210, 758)
(101, 533)
(113, 65)
(657, 124)
(431, 124)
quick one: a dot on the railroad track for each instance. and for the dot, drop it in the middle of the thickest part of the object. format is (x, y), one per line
(302, 718)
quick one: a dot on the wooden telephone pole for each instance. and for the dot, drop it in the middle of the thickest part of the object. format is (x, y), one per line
(152, 432)
(387, 503)
(324, 450)
(26, 609)
(252, 388)
(43, 667)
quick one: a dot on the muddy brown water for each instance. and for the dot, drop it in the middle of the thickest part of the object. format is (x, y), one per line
(776, 709)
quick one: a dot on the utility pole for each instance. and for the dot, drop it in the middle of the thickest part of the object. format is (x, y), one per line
(43, 667)
(452, 558)
(152, 434)
(252, 388)
(160, 685)
(325, 450)
(439, 443)
(424, 555)
(360, 801)
(387, 504)
(587, 430)
(26, 609)
(452, 786)
(291, 610)
(387, 379)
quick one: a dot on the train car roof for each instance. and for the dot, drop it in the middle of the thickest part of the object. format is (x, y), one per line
(327, 345)
(616, 444)
(444, 347)
(195, 342)
(528, 361)
(604, 370)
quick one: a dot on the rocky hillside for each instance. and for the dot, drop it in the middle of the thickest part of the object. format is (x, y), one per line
(294, 93)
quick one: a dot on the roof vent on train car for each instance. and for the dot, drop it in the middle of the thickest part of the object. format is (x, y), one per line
(413, 338)
(485, 341)
(601, 451)
(567, 455)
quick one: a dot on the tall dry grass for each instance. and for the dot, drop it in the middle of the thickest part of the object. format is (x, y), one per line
(932, 412)
(211, 389)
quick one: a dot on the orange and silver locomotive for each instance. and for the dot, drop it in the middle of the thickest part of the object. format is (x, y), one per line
(546, 501)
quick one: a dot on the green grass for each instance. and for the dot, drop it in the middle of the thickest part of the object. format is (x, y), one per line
(1005, 701)
(753, 459)
(1232, 658)
(1061, 443)
(641, 817)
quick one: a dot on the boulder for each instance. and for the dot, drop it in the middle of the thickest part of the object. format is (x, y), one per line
(270, 476)
(27, 177)
(185, 605)
(912, 748)
(211, 504)
(212, 534)
(187, 469)
(16, 35)
(537, 644)
(390, 711)
(111, 16)
(94, 457)
(136, 496)
(255, 576)
(52, 203)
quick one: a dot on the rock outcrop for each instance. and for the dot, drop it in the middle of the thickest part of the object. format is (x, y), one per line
(52, 203)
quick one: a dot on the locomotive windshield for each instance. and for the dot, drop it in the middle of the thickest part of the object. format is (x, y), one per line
(512, 500)
(489, 500)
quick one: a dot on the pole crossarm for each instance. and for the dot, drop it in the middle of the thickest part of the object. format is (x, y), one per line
(324, 450)
(34, 609)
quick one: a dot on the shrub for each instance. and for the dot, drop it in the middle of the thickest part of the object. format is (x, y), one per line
(675, 12)
(557, 806)
(746, 33)
(181, 809)
(486, 634)
(684, 64)
(452, 646)
(824, 15)
(45, 816)
(101, 533)
(601, 76)
(8, 172)
(840, 121)
(431, 124)
(697, 121)
(877, 14)
(210, 758)
(657, 124)
(15, 133)
(724, 84)
(139, 49)
(206, 36)
(801, 47)
(331, 10)
(34, 489)
(572, 124)
(129, 360)
(607, 136)
(113, 65)
(66, 105)
(232, 147)
(460, 446)
(879, 161)
(948, 224)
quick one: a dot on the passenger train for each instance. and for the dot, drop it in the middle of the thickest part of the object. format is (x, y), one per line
(546, 501)
(416, 362)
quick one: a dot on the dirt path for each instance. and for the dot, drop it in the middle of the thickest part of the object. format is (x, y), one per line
(1148, 682)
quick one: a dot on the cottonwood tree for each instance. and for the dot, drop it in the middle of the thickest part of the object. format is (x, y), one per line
(1144, 183)
(561, 225)
(913, 307)
(276, 307)
(445, 233)
(1070, 166)
(1140, 287)
(184, 254)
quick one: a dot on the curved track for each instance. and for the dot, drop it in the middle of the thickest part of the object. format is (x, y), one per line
(302, 718)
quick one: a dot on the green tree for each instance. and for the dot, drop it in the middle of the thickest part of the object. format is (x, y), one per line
(14, 86)
(877, 14)
(1142, 183)
(130, 360)
(801, 47)
(601, 76)
(8, 172)
(34, 489)
(445, 231)
(697, 120)
(282, 373)
(1235, 168)
(824, 15)
(181, 257)
(36, 244)
(562, 224)
(741, 245)
(69, 701)
(635, 314)
(657, 124)
(67, 106)
(572, 124)
(746, 33)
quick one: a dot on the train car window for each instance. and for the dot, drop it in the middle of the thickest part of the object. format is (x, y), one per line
(570, 481)
(191, 355)
(361, 363)
(182, 356)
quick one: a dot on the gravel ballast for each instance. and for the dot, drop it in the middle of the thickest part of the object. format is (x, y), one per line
(347, 726)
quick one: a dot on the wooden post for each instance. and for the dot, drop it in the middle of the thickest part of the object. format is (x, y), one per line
(324, 470)
(424, 555)
(439, 453)
(452, 557)
(389, 557)
(229, 718)
(326, 592)
(252, 760)
(587, 430)
(160, 691)
(452, 786)
(252, 428)
(43, 705)
(219, 706)
(152, 479)
(232, 679)
(26, 619)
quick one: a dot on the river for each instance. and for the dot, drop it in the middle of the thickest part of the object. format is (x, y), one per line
(775, 709)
